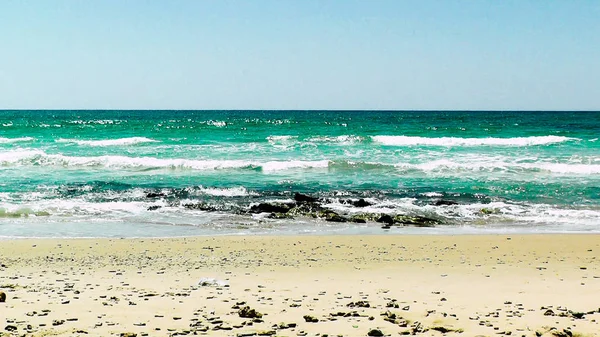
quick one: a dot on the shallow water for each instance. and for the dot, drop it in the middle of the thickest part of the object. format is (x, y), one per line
(89, 173)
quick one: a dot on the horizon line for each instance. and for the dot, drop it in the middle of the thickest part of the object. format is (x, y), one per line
(311, 110)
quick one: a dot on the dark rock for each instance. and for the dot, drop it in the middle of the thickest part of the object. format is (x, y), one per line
(364, 217)
(361, 203)
(266, 207)
(152, 195)
(247, 312)
(444, 202)
(10, 328)
(415, 220)
(578, 315)
(375, 332)
(154, 207)
(443, 329)
(304, 198)
(310, 319)
(563, 333)
(2, 297)
(549, 312)
(334, 217)
(306, 209)
(386, 219)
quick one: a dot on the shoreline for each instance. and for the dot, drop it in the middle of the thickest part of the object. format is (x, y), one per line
(517, 284)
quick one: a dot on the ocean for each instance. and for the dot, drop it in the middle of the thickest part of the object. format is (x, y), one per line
(182, 173)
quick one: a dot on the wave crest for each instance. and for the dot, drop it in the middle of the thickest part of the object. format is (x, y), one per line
(109, 142)
(4, 140)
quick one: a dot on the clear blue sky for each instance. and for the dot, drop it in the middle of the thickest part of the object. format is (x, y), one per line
(302, 54)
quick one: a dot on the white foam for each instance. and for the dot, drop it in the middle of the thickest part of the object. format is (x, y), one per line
(108, 142)
(344, 139)
(4, 140)
(36, 157)
(487, 165)
(281, 138)
(227, 192)
(432, 194)
(454, 141)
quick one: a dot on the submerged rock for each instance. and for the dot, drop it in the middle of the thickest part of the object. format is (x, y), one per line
(280, 216)
(152, 195)
(306, 209)
(444, 202)
(266, 207)
(357, 219)
(488, 211)
(361, 203)
(333, 217)
(365, 217)
(330, 215)
(415, 220)
(200, 206)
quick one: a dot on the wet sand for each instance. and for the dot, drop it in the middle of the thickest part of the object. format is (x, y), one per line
(519, 285)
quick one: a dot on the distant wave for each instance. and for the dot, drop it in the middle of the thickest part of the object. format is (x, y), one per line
(4, 140)
(425, 141)
(454, 141)
(343, 139)
(446, 166)
(281, 139)
(109, 142)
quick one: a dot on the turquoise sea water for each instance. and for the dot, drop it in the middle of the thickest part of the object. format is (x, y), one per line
(131, 173)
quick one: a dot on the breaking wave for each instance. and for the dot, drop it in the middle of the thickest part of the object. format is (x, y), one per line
(454, 141)
(441, 166)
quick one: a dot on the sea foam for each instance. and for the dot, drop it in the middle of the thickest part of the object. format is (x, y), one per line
(40, 158)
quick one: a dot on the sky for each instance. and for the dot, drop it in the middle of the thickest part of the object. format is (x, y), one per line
(300, 55)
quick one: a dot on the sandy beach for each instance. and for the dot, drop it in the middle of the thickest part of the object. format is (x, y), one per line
(519, 285)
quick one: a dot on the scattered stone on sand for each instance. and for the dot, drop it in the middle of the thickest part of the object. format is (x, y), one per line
(247, 312)
(310, 319)
(375, 332)
(2, 297)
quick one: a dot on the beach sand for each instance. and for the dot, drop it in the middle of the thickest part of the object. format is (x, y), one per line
(519, 285)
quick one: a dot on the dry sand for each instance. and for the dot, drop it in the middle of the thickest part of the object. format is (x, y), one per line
(519, 285)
